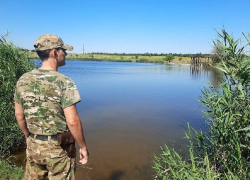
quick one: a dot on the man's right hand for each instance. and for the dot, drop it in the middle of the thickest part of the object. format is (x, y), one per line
(84, 155)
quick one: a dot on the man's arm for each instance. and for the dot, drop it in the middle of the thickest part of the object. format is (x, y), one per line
(75, 126)
(21, 119)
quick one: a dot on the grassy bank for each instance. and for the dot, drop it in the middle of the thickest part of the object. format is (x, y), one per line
(221, 152)
(119, 58)
(13, 63)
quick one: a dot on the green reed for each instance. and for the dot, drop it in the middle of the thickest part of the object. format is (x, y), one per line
(13, 63)
(223, 151)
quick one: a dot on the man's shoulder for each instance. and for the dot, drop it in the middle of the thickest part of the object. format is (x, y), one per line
(48, 73)
(46, 76)
(60, 76)
(54, 73)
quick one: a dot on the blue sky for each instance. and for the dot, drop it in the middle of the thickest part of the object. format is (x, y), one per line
(129, 26)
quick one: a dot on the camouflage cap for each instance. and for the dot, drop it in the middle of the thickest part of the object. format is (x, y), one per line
(50, 41)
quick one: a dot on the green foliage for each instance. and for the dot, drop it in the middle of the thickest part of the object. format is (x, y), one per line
(13, 63)
(228, 111)
(169, 57)
(171, 165)
(226, 143)
(143, 60)
(9, 171)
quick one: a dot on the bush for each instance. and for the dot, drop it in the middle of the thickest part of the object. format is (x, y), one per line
(223, 150)
(13, 63)
(169, 57)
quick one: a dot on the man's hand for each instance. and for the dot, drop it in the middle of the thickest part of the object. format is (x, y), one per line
(84, 155)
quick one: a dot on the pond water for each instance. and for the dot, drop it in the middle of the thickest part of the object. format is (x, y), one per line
(129, 110)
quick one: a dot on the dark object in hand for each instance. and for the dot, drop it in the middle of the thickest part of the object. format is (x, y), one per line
(67, 142)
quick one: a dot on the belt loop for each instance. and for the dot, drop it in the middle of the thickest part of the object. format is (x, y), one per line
(49, 138)
(35, 136)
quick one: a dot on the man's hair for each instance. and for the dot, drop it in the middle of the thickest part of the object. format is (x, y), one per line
(44, 55)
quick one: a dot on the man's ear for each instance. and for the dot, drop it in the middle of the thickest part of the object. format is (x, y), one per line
(53, 53)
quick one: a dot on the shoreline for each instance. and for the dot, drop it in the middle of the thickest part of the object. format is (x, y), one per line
(126, 60)
(121, 58)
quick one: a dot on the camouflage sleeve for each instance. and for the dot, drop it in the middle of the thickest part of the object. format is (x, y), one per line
(70, 94)
(17, 96)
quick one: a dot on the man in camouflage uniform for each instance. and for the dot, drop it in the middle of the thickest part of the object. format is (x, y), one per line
(45, 106)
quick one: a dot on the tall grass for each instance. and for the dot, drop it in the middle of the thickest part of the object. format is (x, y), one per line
(10, 171)
(223, 151)
(13, 63)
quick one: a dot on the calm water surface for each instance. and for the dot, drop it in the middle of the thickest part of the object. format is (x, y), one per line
(129, 110)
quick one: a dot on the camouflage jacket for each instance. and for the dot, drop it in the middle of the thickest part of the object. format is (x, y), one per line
(43, 95)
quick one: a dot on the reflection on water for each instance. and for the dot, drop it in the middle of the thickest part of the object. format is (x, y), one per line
(129, 110)
(215, 77)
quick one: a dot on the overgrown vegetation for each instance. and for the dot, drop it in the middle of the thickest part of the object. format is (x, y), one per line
(223, 151)
(13, 63)
(8, 171)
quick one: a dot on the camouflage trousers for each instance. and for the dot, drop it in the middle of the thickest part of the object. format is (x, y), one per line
(47, 160)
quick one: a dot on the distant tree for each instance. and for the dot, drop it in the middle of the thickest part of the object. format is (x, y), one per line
(180, 59)
(169, 57)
